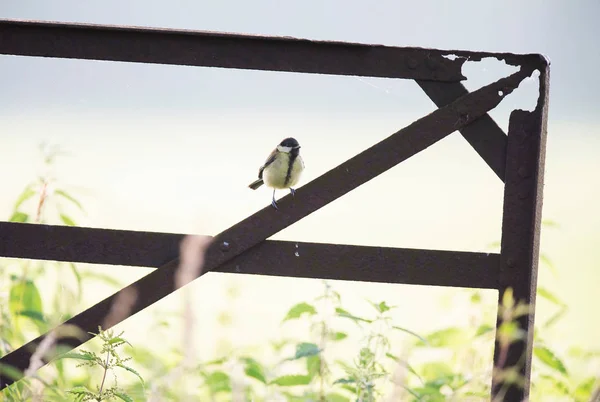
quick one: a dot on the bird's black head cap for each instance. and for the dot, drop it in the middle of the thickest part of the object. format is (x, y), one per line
(290, 142)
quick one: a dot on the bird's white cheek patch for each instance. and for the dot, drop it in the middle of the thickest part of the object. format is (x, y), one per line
(283, 149)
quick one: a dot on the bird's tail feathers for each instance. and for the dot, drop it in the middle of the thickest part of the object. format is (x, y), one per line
(256, 184)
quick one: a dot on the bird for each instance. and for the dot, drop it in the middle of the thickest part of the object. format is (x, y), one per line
(282, 169)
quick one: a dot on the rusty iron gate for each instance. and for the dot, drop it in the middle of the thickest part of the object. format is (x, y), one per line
(517, 159)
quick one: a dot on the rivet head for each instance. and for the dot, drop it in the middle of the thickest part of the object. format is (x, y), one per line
(432, 64)
(225, 246)
(523, 172)
(510, 262)
(412, 63)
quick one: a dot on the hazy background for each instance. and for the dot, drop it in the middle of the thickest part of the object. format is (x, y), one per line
(165, 148)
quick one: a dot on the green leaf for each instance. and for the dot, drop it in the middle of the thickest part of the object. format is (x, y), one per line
(76, 355)
(345, 381)
(10, 372)
(547, 357)
(313, 365)
(343, 313)
(67, 221)
(218, 381)
(584, 389)
(19, 217)
(131, 371)
(298, 310)
(338, 336)
(33, 315)
(333, 397)
(292, 380)
(25, 195)
(410, 332)
(405, 364)
(548, 262)
(78, 278)
(123, 397)
(306, 349)
(381, 307)
(67, 196)
(484, 329)
(551, 297)
(109, 280)
(25, 298)
(451, 336)
(254, 369)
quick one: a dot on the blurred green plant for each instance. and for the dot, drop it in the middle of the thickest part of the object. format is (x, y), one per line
(381, 360)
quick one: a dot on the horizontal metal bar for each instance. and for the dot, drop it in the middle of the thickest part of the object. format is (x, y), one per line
(88, 245)
(275, 258)
(368, 264)
(209, 49)
(314, 195)
(484, 135)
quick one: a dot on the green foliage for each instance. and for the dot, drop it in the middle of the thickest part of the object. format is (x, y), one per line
(381, 358)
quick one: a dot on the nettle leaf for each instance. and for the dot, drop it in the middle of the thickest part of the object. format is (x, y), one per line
(298, 310)
(306, 349)
(124, 397)
(254, 369)
(484, 329)
(67, 196)
(80, 356)
(345, 381)
(381, 307)
(548, 357)
(343, 313)
(10, 372)
(338, 336)
(292, 380)
(19, 217)
(131, 371)
(408, 331)
(67, 220)
(218, 381)
(446, 337)
(551, 297)
(25, 299)
(313, 365)
(333, 397)
(25, 195)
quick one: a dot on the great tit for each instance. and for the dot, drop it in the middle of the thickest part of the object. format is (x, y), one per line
(282, 168)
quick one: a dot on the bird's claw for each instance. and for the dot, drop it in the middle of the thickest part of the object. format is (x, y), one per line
(274, 204)
(292, 191)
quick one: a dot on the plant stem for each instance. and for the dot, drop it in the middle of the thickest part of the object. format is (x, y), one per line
(104, 376)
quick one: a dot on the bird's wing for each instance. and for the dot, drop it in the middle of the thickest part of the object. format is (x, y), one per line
(269, 160)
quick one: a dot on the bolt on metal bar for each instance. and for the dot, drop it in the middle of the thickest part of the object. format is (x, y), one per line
(484, 135)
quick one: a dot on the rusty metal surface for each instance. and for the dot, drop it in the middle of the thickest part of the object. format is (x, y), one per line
(209, 49)
(270, 257)
(484, 135)
(309, 198)
(521, 226)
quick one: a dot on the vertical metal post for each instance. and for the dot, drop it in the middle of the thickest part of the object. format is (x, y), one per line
(520, 237)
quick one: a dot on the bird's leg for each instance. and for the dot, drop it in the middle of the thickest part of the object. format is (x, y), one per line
(292, 191)
(273, 202)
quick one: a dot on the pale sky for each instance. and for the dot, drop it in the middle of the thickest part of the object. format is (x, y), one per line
(167, 148)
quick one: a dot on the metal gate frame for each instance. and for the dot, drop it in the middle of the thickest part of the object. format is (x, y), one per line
(516, 158)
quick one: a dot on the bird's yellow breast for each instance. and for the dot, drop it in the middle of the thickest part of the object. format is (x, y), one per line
(275, 174)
